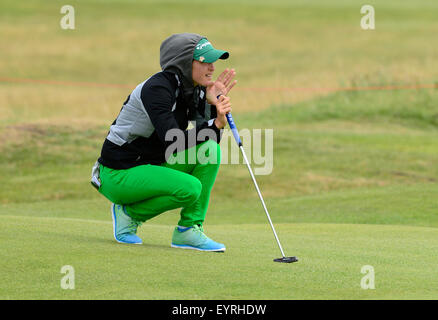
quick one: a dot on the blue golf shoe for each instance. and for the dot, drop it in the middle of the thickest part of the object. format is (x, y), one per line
(124, 227)
(195, 239)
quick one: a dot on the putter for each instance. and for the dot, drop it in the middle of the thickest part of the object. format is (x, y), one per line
(239, 142)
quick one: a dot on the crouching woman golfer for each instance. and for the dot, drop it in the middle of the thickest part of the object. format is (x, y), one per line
(139, 169)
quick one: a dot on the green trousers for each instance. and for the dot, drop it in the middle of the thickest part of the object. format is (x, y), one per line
(184, 181)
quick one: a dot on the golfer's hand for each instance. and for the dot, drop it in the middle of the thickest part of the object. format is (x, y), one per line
(222, 85)
(223, 106)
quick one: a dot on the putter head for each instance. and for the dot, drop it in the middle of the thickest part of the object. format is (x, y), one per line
(286, 259)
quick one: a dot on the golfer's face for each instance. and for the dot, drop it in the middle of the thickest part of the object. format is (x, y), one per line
(202, 72)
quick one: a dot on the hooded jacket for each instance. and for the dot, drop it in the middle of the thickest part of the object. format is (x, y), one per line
(162, 104)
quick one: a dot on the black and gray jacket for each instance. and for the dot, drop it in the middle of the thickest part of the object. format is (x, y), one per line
(167, 100)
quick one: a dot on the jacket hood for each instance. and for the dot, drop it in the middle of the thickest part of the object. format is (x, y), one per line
(176, 55)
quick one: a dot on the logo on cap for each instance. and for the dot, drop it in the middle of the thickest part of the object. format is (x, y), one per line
(202, 45)
(204, 52)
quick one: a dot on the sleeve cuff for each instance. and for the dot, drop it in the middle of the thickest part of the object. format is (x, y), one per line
(218, 131)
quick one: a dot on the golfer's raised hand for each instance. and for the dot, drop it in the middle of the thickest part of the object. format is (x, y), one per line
(223, 106)
(222, 85)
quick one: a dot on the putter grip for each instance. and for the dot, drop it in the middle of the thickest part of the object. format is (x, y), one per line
(234, 129)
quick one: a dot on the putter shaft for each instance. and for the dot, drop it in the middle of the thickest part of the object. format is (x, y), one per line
(261, 198)
(239, 143)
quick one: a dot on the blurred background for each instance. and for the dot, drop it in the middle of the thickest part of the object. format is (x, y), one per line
(298, 65)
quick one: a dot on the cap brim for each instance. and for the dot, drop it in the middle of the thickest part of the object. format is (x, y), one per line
(213, 55)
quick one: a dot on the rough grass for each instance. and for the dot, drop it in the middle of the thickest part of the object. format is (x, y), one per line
(274, 44)
(333, 145)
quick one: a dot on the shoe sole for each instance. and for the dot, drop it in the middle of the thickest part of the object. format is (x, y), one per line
(113, 215)
(182, 246)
